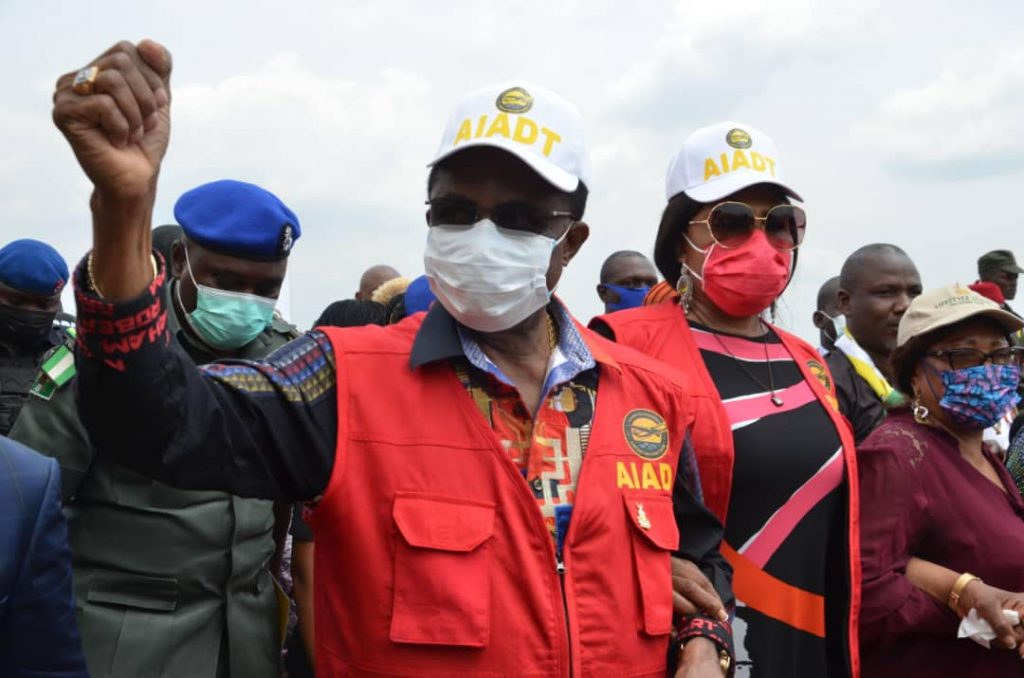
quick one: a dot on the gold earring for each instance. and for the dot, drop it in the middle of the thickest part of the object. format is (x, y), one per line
(920, 412)
(684, 287)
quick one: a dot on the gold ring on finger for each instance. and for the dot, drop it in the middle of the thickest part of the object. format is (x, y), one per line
(85, 80)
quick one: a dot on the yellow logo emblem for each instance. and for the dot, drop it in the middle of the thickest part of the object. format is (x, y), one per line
(821, 374)
(514, 100)
(646, 433)
(819, 371)
(738, 138)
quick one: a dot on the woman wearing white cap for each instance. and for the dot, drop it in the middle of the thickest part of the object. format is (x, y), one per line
(782, 475)
(930, 490)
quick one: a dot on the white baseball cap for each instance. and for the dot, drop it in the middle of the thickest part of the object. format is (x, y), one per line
(719, 160)
(532, 123)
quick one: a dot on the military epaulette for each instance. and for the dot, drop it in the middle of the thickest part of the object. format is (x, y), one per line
(58, 368)
(282, 326)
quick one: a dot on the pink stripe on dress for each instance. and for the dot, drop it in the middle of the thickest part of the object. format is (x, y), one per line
(763, 545)
(745, 410)
(740, 348)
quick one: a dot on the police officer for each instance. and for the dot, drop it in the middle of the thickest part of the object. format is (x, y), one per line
(32, 276)
(477, 515)
(169, 582)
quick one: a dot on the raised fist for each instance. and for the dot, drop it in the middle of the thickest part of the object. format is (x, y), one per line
(117, 117)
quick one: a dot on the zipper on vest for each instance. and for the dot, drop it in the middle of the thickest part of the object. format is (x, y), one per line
(560, 569)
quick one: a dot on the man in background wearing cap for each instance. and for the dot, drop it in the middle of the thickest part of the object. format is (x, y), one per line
(452, 535)
(171, 582)
(626, 278)
(1000, 267)
(32, 276)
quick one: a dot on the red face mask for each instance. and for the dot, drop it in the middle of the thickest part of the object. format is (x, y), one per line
(743, 281)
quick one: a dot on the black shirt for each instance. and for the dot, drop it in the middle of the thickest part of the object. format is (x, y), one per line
(857, 400)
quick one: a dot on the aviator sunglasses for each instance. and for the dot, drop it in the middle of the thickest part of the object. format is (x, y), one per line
(732, 223)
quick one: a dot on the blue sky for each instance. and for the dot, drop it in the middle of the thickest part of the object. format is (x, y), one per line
(898, 122)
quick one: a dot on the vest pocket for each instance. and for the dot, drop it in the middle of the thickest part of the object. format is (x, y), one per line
(156, 594)
(655, 536)
(442, 571)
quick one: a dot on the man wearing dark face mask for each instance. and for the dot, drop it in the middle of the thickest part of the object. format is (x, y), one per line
(32, 276)
(499, 490)
(141, 612)
(626, 278)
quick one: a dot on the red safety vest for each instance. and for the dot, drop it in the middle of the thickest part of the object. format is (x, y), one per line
(662, 331)
(432, 558)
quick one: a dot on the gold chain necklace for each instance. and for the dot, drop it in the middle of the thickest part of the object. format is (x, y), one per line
(552, 331)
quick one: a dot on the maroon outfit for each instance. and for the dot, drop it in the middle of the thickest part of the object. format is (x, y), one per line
(920, 498)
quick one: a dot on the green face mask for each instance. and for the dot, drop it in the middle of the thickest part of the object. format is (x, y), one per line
(227, 320)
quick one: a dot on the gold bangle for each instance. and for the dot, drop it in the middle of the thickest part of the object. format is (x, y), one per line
(958, 588)
(92, 279)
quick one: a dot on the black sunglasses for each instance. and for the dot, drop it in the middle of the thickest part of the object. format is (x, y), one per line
(516, 215)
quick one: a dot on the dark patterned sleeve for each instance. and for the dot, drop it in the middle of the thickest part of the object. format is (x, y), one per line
(262, 429)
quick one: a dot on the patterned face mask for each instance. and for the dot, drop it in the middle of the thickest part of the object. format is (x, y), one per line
(977, 397)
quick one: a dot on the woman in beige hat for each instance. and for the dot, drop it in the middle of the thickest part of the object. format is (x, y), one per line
(930, 492)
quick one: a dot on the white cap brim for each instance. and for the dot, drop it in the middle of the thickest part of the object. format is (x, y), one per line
(720, 188)
(550, 172)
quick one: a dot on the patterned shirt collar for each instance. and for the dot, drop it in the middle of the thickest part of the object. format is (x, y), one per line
(570, 357)
(441, 337)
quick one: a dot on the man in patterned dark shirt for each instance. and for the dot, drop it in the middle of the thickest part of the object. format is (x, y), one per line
(507, 194)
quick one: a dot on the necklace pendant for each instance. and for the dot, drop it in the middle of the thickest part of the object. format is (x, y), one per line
(777, 401)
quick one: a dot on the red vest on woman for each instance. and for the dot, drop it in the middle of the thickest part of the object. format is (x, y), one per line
(432, 558)
(662, 332)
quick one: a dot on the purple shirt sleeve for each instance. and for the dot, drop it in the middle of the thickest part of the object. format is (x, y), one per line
(893, 506)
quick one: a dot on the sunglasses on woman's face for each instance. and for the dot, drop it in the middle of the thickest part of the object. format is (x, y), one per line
(732, 223)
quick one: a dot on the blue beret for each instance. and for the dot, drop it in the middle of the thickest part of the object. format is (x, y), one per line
(418, 296)
(34, 267)
(238, 219)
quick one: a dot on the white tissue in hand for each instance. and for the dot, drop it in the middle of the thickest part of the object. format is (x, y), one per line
(977, 629)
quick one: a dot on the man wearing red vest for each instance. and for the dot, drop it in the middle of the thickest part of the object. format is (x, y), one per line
(498, 490)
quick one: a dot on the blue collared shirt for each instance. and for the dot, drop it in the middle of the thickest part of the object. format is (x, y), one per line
(569, 359)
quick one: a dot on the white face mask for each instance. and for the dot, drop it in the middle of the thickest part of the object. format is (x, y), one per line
(489, 278)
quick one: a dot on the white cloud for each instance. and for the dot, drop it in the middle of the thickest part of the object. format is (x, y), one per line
(320, 136)
(967, 122)
(337, 107)
(715, 53)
